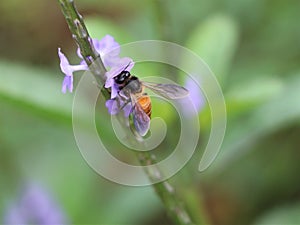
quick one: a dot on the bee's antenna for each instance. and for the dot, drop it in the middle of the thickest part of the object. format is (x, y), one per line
(127, 65)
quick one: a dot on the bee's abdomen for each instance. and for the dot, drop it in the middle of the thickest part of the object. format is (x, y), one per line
(145, 103)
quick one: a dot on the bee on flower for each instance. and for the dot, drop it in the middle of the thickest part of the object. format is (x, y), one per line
(127, 91)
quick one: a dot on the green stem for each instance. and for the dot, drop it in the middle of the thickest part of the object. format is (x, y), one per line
(164, 190)
(81, 36)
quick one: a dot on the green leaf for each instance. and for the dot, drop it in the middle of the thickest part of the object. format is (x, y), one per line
(215, 41)
(36, 87)
(140, 203)
(38, 149)
(250, 93)
(51, 146)
(281, 110)
(284, 215)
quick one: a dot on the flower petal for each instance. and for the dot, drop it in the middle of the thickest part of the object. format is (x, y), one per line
(195, 93)
(68, 70)
(196, 101)
(112, 106)
(127, 110)
(67, 84)
(106, 45)
(108, 49)
(64, 63)
(114, 91)
(35, 206)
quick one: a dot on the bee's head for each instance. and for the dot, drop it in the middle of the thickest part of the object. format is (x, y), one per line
(122, 77)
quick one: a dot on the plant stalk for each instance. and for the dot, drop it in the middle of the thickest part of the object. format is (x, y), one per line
(164, 190)
(81, 36)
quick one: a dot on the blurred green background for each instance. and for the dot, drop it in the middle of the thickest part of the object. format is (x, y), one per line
(253, 47)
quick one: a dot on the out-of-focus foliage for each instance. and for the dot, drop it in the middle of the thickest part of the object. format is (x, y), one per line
(284, 215)
(252, 47)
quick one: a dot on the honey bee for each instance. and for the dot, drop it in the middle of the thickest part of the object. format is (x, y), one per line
(133, 90)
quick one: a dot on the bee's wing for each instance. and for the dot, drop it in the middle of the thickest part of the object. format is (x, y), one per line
(169, 91)
(140, 119)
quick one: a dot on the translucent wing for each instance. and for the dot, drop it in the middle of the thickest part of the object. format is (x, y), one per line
(140, 119)
(169, 91)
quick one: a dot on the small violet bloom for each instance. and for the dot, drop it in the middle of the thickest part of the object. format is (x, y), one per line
(107, 48)
(35, 207)
(195, 97)
(68, 70)
(109, 51)
(114, 105)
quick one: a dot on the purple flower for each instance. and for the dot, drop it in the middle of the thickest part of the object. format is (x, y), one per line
(109, 51)
(195, 96)
(35, 207)
(68, 70)
(107, 48)
(114, 106)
